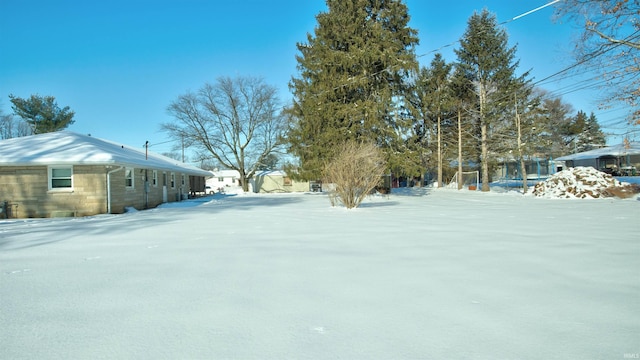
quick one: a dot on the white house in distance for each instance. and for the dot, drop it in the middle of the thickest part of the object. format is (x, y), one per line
(221, 179)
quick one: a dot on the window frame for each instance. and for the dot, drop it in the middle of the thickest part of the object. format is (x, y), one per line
(50, 178)
(132, 172)
(154, 178)
(172, 180)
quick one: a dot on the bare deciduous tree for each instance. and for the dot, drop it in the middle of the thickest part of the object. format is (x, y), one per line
(11, 126)
(237, 122)
(355, 171)
(609, 43)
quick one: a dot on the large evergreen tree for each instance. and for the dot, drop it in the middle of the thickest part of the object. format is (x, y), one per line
(553, 123)
(462, 91)
(439, 101)
(488, 61)
(352, 73)
(431, 104)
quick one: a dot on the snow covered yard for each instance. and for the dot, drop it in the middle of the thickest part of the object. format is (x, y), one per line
(426, 274)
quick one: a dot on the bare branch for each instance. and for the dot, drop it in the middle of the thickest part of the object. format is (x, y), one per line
(234, 121)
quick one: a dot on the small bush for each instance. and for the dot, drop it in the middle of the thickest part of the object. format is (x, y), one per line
(355, 172)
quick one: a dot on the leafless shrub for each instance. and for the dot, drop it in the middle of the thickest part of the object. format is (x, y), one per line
(355, 171)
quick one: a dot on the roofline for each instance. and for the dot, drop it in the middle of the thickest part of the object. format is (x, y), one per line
(177, 168)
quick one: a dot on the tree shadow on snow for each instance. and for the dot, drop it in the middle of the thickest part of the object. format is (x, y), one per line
(375, 204)
(411, 191)
(252, 202)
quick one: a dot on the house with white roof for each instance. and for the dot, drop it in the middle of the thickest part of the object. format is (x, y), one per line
(621, 159)
(68, 174)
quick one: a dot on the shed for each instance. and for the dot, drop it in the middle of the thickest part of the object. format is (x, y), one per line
(68, 174)
(277, 181)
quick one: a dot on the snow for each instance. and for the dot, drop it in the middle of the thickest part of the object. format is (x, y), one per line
(418, 274)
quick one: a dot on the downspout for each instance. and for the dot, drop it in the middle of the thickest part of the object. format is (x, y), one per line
(109, 187)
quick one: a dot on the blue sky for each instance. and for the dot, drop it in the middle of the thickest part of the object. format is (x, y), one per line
(119, 64)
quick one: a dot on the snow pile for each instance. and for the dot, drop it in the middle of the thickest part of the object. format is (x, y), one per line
(578, 183)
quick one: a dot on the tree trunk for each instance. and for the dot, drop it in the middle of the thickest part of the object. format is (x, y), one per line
(483, 142)
(459, 149)
(523, 168)
(523, 171)
(485, 163)
(243, 181)
(439, 153)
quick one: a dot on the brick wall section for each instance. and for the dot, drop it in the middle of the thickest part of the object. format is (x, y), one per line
(27, 187)
(123, 197)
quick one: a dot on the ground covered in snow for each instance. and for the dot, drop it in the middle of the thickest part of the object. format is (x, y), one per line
(424, 274)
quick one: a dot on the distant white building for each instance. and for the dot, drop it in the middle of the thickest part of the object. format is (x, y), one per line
(222, 179)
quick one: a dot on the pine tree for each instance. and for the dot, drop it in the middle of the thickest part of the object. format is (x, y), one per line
(585, 132)
(431, 100)
(462, 91)
(423, 128)
(596, 136)
(42, 113)
(552, 120)
(487, 60)
(352, 72)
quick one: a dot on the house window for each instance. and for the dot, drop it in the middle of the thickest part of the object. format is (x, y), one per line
(164, 179)
(221, 179)
(154, 178)
(128, 177)
(173, 180)
(60, 177)
(184, 182)
(287, 181)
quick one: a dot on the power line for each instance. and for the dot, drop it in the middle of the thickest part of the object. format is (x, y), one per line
(532, 11)
(589, 58)
(499, 24)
